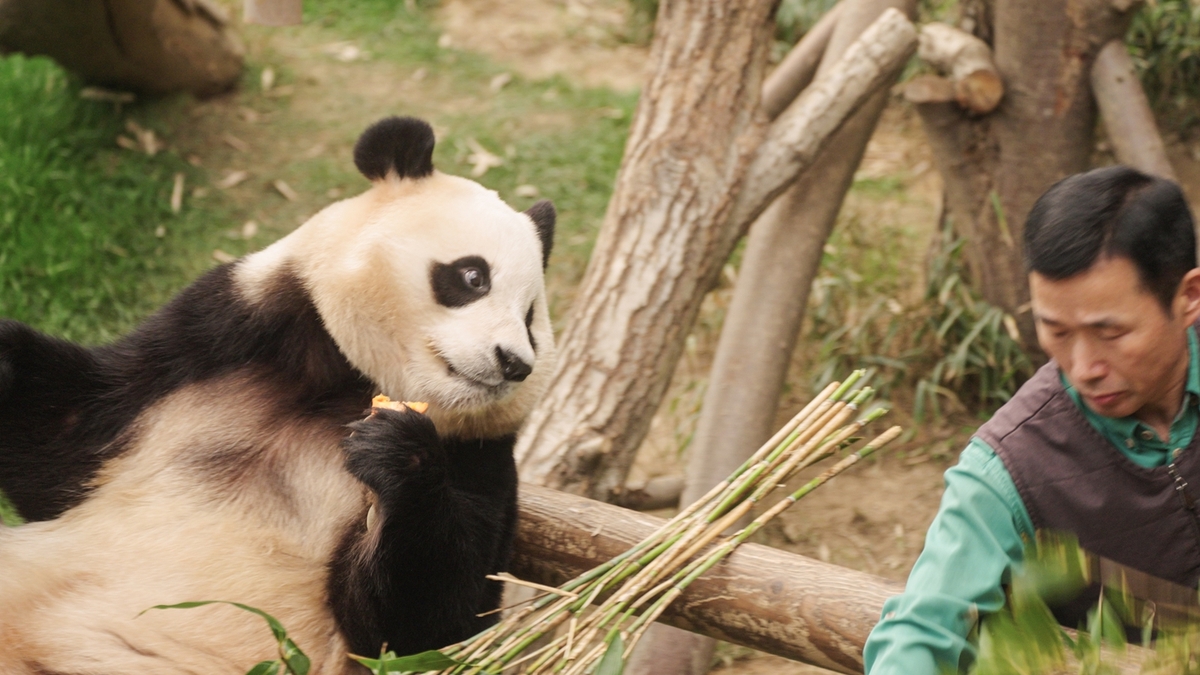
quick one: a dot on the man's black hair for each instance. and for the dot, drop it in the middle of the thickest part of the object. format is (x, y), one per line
(1114, 211)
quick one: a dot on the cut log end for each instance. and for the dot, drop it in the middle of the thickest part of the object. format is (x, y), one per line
(979, 92)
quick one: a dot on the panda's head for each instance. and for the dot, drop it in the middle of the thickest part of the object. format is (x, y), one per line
(429, 284)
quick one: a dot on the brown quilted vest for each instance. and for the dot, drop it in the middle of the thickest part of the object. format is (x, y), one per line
(1072, 479)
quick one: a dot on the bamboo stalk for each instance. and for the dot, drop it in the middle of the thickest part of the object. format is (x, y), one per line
(641, 583)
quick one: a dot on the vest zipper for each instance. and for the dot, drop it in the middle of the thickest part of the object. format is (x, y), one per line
(1188, 501)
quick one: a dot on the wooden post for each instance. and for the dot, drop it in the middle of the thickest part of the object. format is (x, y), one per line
(1126, 112)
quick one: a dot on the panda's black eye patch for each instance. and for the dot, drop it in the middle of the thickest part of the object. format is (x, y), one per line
(529, 328)
(460, 282)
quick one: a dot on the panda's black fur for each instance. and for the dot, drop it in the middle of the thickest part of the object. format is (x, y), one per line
(63, 406)
(443, 504)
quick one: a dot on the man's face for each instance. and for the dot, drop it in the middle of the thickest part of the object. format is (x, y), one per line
(1113, 339)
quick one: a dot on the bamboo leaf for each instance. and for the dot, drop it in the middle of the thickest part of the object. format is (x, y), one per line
(266, 668)
(296, 660)
(612, 663)
(424, 661)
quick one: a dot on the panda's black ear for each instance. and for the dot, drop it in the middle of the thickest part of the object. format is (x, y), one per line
(544, 216)
(400, 144)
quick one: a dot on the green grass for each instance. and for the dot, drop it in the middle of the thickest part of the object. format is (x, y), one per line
(79, 256)
(1164, 41)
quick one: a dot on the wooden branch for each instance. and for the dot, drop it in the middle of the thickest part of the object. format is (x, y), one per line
(1126, 112)
(760, 597)
(967, 60)
(800, 133)
(929, 89)
(155, 46)
(798, 68)
(273, 12)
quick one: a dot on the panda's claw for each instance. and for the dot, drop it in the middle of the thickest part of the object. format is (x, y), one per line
(389, 448)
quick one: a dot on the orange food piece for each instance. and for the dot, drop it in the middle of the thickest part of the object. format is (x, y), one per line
(382, 401)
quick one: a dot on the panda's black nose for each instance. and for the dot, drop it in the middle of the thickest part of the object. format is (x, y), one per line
(514, 369)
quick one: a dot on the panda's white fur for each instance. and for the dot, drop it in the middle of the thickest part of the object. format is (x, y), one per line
(220, 489)
(366, 302)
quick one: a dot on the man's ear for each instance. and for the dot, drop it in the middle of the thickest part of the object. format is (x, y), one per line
(1187, 299)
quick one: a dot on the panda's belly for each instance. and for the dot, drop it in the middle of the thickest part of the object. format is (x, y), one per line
(220, 497)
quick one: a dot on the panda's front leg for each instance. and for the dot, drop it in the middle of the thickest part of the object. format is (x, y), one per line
(48, 388)
(444, 518)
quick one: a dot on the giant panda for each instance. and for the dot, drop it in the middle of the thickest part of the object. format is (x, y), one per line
(223, 449)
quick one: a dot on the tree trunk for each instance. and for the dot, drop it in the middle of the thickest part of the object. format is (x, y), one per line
(679, 207)
(1045, 128)
(154, 46)
(1126, 113)
(783, 253)
(996, 166)
(693, 137)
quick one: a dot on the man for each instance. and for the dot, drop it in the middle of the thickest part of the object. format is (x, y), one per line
(1100, 442)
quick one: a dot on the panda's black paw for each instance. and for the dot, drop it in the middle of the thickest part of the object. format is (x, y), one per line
(388, 449)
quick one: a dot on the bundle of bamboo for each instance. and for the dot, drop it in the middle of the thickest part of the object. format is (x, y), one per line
(592, 623)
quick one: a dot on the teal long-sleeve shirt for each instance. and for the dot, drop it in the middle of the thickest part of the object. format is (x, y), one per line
(977, 539)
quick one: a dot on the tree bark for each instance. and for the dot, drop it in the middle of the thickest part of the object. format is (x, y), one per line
(1126, 113)
(783, 253)
(153, 46)
(664, 237)
(997, 165)
(671, 224)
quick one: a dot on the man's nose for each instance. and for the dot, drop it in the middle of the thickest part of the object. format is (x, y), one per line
(1086, 363)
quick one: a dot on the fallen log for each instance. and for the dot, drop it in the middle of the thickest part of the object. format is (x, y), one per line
(762, 598)
(759, 597)
(1126, 112)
